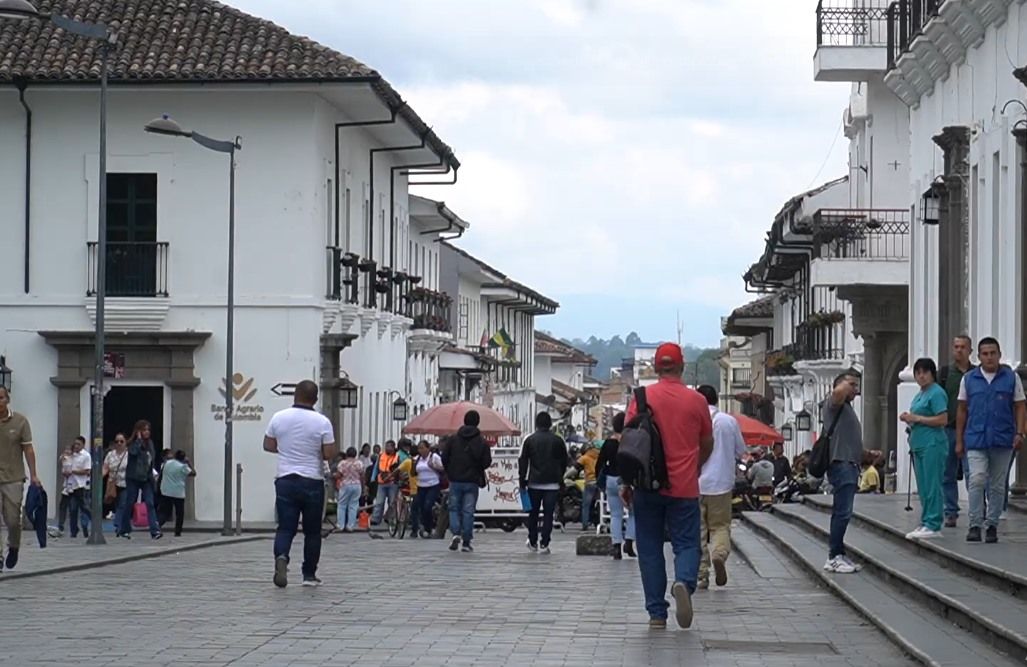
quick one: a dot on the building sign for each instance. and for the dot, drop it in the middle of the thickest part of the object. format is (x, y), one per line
(243, 407)
(114, 365)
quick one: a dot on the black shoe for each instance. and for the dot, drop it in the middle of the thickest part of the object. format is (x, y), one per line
(157, 536)
(454, 544)
(974, 534)
(629, 549)
(990, 536)
(467, 548)
(125, 536)
(12, 558)
(311, 581)
(281, 572)
(617, 552)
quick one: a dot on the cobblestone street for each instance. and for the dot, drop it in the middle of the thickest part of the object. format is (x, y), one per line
(412, 602)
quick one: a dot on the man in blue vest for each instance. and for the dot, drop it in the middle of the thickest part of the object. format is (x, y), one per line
(990, 424)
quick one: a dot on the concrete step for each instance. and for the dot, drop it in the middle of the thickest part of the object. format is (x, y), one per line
(1000, 566)
(993, 615)
(914, 627)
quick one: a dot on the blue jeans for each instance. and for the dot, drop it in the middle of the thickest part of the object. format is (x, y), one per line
(132, 489)
(588, 496)
(989, 473)
(616, 505)
(422, 514)
(679, 517)
(385, 491)
(349, 504)
(1012, 460)
(543, 502)
(119, 509)
(296, 496)
(463, 499)
(844, 477)
(949, 484)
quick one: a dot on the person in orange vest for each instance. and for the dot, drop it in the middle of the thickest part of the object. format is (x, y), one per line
(384, 473)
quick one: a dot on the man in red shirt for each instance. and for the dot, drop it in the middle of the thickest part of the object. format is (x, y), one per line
(686, 430)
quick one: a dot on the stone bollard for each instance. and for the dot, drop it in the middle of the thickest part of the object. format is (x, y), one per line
(591, 544)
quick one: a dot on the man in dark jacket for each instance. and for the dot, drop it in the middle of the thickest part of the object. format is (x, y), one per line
(542, 464)
(466, 458)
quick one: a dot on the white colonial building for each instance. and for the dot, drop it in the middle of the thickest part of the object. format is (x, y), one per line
(560, 381)
(337, 270)
(492, 359)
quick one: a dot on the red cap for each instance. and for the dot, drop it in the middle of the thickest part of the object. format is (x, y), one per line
(668, 355)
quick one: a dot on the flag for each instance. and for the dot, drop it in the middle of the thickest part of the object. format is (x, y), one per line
(501, 339)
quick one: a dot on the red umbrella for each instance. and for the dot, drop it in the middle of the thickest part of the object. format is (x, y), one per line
(446, 419)
(756, 433)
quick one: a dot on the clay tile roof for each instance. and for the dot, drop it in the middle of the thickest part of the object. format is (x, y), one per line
(546, 344)
(179, 41)
(763, 307)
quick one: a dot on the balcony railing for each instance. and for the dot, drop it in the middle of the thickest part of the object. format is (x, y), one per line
(819, 340)
(852, 22)
(343, 281)
(429, 309)
(906, 20)
(871, 234)
(138, 269)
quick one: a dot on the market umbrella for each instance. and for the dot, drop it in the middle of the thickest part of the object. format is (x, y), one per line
(446, 419)
(756, 433)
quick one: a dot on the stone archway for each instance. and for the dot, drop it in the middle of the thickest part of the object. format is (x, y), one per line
(159, 357)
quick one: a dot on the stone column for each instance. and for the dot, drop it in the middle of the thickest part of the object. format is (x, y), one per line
(953, 236)
(332, 346)
(871, 389)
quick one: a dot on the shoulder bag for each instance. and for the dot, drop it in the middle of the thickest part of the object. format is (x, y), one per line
(820, 457)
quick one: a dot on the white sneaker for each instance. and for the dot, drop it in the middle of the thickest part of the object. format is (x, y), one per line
(531, 547)
(915, 533)
(928, 534)
(841, 565)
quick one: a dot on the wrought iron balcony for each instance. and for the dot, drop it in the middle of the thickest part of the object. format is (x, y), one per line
(134, 269)
(429, 309)
(343, 282)
(871, 234)
(820, 338)
(906, 20)
(852, 22)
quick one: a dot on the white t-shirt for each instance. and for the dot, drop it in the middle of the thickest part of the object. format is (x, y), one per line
(1018, 393)
(300, 433)
(718, 474)
(426, 475)
(80, 461)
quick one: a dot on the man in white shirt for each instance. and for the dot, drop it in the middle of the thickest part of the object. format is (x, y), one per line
(77, 483)
(716, 484)
(304, 440)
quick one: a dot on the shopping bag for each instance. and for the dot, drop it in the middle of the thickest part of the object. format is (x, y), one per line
(140, 517)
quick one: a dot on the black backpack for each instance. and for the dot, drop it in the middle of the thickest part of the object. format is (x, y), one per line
(640, 456)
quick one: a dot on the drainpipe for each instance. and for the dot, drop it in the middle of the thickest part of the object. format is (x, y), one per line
(372, 209)
(448, 182)
(392, 199)
(22, 84)
(359, 123)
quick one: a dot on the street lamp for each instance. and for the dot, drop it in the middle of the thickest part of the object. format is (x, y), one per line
(21, 10)
(168, 127)
(5, 374)
(803, 422)
(347, 393)
(400, 409)
(930, 204)
(786, 432)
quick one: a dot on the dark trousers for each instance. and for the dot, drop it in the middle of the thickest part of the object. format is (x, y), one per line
(167, 504)
(422, 511)
(78, 509)
(62, 511)
(544, 501)
(298, 497)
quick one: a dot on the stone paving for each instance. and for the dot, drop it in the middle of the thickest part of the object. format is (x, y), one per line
(412, 602)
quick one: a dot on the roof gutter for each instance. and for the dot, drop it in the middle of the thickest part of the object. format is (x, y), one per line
(22, 84)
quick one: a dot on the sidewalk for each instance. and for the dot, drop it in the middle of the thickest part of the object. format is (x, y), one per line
(65, 554)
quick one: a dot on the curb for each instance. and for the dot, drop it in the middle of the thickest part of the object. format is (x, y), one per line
(7, 576)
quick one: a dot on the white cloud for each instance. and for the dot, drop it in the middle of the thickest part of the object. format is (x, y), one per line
(605, 142)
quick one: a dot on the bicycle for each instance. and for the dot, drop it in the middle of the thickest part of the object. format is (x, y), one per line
(397, 517)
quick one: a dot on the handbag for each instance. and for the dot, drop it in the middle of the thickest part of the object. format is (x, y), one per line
(140, 517)
(110, 492)
(820, 457)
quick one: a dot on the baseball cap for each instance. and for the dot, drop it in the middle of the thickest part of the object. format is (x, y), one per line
(668, 355)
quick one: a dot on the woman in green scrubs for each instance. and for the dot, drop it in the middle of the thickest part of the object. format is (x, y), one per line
(927, 416)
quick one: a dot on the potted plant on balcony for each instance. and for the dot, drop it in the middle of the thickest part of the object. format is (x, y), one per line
(824, 318)
(780, 363)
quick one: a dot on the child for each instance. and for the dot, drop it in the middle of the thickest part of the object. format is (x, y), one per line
(869, 479)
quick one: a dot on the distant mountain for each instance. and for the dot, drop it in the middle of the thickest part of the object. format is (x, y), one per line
(608, 354)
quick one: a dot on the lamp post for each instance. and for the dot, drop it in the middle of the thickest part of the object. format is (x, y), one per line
(400, 409)
(803, 422)
(20, 10)
(167, 127)
(347, 393)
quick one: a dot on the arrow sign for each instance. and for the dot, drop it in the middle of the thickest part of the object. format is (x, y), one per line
(284, 389)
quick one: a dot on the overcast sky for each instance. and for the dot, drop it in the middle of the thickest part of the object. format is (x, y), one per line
(623, 157)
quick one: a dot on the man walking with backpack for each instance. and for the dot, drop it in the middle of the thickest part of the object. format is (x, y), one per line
(541, 465)
(466, 458)
(683, 434)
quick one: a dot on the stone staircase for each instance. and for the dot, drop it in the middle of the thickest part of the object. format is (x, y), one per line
(945, 601)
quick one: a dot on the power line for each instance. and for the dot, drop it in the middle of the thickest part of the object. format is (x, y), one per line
(827, 157)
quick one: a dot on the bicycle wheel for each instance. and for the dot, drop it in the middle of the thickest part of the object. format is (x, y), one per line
(391, 520)
(403, 518)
